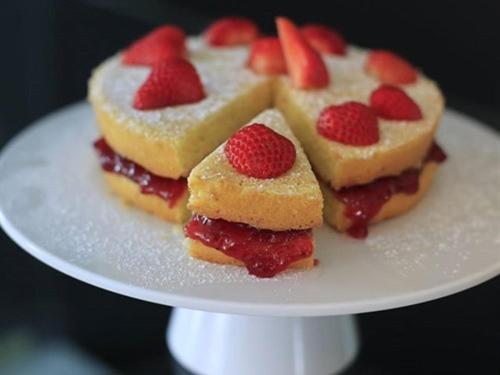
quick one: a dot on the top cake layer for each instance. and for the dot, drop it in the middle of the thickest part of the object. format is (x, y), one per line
(290, 201)
(171, 140)
(402, 144)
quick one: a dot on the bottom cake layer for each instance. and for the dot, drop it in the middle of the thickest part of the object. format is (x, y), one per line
(392, 203)
(200, 251)
(130, 192)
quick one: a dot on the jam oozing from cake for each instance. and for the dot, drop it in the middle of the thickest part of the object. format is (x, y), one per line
(166, 188)
(436, 154)
(363, 202)
(264, 252)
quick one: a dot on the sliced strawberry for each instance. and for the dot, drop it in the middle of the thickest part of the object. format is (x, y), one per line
(324, 39)
(258, 151)
(231, 31)
(390, 68)
(162, 43)
(266, 56)
(171, 82)
(350, 123)
(392, 103)
(305, 65)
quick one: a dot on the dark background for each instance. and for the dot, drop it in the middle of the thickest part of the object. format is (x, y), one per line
(48, 49)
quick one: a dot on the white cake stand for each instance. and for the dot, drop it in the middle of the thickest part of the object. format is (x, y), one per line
(53, 203)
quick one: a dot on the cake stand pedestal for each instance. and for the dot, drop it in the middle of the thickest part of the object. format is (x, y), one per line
(54, 204)
(223, 344)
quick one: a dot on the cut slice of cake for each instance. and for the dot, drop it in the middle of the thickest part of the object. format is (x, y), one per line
(366, 132)
(255, 200)
(164, 113)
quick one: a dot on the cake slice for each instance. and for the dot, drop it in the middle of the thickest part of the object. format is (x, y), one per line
(164, 122)
(255, 200)
(367, 132)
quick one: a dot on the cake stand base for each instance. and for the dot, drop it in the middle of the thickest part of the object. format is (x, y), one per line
(224, 344)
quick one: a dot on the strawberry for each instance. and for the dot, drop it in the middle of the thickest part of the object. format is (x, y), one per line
(266, 56)
(324, 39)
(306, 67)
(258, 151)
(390, 68)
(171, 82)
(162, 43)
(351, 123)
(231, 31)
(392, 103)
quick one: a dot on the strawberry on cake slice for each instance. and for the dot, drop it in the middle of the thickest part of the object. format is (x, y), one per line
(162, 106)
(255, 200)
(366, 120)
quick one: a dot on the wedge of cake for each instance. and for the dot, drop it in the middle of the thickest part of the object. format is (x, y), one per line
(368, 115)
(164, 104)
(255, 200)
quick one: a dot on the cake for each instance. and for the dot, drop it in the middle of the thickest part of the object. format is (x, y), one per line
(227, 198)
(366, 120)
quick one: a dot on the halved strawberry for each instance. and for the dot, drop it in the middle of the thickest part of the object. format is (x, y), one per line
(389, 67)
(266, 56)
(324, 39)
(162, 43)
(350, 123)
(305, 65)
(392, 103)
(171, 82)
(231, 31)
(258, 151)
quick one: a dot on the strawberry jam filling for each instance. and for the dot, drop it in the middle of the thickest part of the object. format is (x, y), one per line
(363, 202)
(166, 188)
(264, 252)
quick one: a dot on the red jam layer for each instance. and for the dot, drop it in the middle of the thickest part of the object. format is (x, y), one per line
(264, 252)
(363, 202)
(166, 188)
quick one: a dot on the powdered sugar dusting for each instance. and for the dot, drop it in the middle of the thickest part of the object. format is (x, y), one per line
(349, 82)
(465, 212)
(298, 180)
(222, 72)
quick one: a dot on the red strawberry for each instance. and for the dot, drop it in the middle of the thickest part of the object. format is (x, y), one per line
(231, 31)
(324, 39)
(351, 123)
(171, 82)
(390, 68)
(258, 151)
(266, 56)
(306, 67)
(160, 44)
(392, 103)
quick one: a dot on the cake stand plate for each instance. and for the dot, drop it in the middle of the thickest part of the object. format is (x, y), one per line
(54, 204)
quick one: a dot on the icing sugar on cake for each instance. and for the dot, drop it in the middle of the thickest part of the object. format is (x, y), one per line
(349, 82)
(222, 73)
(292, 182)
